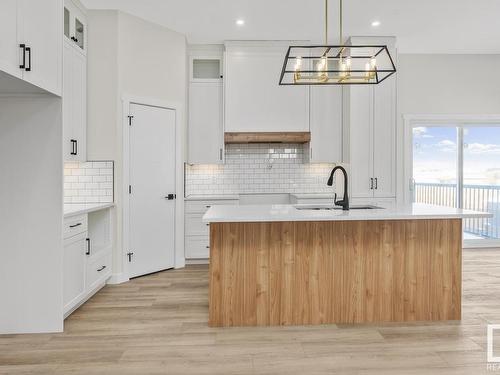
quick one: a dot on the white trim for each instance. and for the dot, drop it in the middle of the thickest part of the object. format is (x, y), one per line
(409, 121)
(127, 100)
(197, 261)
(118, 278)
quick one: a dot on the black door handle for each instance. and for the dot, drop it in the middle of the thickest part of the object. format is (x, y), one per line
(88, 246)
(171, 197)
(23, 65)
(102, 268)
(28, 68)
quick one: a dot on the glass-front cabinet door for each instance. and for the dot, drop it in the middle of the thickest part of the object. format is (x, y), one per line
(75, 25)
(80, 33)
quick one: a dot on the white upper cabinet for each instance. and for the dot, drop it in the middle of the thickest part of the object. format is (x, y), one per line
(326, 124)
(9, 44)
(75, 25)
(370, 133)
(254, 101)
(30, 39)
(384, 138)
(74, 92)
(359, 126)
(206, 116)
(41, 32)
(206, 143)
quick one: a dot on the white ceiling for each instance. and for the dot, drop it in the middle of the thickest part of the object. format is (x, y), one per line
(421, 26)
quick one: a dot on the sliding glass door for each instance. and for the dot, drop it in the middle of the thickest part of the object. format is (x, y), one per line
(458, 165)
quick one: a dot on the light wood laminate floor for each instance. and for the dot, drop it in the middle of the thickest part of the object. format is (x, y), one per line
(158, 325)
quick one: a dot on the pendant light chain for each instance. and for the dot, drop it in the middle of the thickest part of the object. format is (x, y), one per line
(341, 21)
(326, 22)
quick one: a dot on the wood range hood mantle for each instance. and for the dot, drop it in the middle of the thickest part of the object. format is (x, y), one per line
(267, 137)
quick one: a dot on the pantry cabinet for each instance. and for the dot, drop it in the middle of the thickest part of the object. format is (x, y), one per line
(74, 103)
(206, 138)
(254, 101)
(206, 103)
(30, 42)
(370, 134)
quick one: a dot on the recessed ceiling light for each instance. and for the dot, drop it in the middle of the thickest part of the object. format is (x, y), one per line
(375, 23)
(240, 22)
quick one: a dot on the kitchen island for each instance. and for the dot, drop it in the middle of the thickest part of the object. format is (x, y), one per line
(296, 265)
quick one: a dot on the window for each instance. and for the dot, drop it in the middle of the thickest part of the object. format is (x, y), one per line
(458, 165)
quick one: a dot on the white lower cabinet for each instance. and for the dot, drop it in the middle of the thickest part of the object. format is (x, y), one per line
(98, 270)
(197, 233)
(86, 257)
(74, 270)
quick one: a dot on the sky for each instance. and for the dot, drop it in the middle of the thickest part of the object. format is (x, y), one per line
(435, 155)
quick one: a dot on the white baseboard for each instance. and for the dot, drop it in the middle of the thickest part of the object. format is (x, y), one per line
(197, 261)
(85, 299)
(118, 278)
(180, 263)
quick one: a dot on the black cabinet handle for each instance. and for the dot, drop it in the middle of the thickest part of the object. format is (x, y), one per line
(28, 68)
(171, 197)
(76, 146)
(88, 246)
(75, 225)
(371, 183)
(73, 149)
(208, 247)
(102, 268)
(23, 47)
(376, 183)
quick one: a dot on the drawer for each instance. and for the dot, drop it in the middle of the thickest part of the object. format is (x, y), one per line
(197, 247)
(203, 206)
(98, 270)
(194, 225)
(75, 225)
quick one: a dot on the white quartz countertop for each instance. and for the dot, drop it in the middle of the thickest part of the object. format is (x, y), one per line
(72, 209)
(194, 197)
(288, 212)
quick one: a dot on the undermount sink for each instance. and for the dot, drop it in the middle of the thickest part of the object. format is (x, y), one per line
(329, 207)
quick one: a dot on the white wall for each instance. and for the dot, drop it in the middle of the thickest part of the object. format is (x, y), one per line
(445, 84)
(147, 61)
(31, 214)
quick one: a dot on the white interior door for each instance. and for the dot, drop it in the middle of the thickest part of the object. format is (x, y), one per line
(152, 179)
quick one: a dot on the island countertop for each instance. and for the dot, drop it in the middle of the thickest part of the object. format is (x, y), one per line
(288, 212)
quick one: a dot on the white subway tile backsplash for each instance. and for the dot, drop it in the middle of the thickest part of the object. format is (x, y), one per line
(90, 182)
(259, 168)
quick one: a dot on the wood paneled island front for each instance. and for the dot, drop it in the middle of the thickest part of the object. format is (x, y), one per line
(278, 265)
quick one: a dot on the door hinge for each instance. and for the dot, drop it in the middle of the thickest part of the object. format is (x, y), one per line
(130, 257)
(130, 189)
(130, 117)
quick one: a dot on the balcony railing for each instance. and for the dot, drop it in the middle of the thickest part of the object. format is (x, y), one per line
(475, 197)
